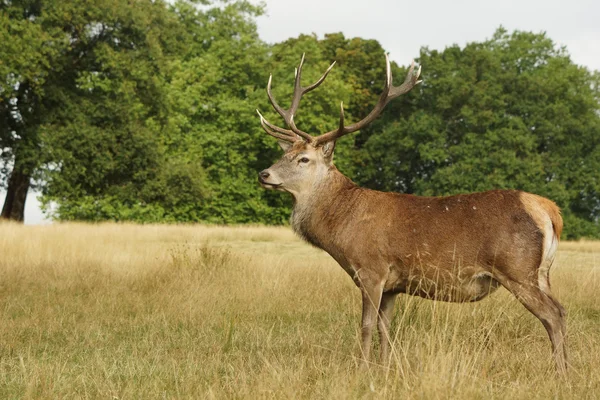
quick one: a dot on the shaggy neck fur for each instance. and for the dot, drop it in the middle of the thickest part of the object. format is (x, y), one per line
(322, 211)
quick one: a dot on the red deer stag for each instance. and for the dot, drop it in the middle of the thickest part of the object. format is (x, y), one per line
(456, 248)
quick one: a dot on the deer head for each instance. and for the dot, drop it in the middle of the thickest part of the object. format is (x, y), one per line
(308, 158)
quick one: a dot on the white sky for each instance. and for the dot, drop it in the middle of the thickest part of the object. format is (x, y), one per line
(403, 27)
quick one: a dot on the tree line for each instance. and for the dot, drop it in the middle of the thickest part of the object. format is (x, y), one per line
(145, 111)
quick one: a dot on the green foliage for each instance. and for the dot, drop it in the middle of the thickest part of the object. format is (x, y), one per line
(109, 152)
(86, 106)
(147, 113)
(27, 55)
(214, 93)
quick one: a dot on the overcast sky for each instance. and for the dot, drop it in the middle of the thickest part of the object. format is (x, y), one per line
(403, 27)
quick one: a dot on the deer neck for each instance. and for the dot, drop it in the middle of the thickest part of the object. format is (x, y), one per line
(320, 212)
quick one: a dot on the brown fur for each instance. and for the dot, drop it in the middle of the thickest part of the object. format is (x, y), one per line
(405, 239)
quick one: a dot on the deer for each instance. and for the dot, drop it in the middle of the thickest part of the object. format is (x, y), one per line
(458, 248)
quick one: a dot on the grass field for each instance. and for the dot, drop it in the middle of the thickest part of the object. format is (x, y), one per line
(123, 311)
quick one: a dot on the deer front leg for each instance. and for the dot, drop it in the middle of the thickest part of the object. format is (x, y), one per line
(386, 312)
(372, 290)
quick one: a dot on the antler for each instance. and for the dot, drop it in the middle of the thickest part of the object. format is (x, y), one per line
(390, 92)
(288, 115)
(293, 134)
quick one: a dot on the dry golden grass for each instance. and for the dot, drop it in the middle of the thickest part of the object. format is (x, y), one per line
(125, 311)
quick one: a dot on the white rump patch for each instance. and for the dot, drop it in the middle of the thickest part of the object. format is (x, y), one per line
(549, 249)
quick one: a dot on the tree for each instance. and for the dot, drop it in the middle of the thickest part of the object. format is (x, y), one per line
(27, 53)
(184, 151)
(83, 99)
(218, 85)
(215, 87)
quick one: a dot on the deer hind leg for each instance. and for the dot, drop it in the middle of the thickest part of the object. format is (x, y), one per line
(386, 311)
(372, 291)
(550, 247)
(548, 311)
(545, 287)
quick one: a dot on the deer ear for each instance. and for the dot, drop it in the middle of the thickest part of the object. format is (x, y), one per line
(285, 146)
(328, 149)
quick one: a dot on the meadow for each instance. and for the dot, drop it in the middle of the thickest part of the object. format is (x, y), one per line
(116, 311)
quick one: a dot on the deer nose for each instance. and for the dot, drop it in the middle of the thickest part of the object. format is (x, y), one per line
(264, 174)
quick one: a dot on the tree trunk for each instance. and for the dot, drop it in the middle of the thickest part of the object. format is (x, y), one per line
(16, 194)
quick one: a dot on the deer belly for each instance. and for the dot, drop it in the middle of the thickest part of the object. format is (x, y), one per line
(466, 285)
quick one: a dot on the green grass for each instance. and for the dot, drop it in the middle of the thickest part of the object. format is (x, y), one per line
(125, 311)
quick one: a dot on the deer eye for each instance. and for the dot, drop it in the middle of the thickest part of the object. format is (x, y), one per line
(304, 160)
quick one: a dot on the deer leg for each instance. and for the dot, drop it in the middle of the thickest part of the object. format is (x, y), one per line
(386, 311)
(549, 312)
(563, 315)
(372, 290)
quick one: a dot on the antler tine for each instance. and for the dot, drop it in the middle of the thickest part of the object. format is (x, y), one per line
(297, 86)
(276, 106)
(299, 91)
(389, 93)
(320, 80)
(410, 81)
(341, 126)
(297, 131)
(275, 131)
(288, 115)
(275, 127)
